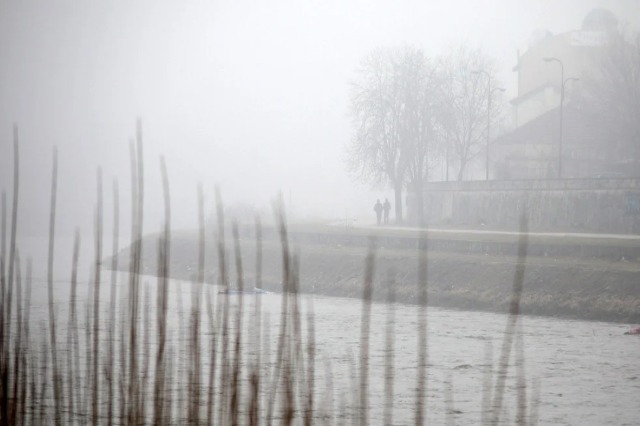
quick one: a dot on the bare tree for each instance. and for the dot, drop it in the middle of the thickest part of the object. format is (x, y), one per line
(374, 153)
(408, 110)
(392, 106)
(610, 97)
(464, 113)
(420, 142)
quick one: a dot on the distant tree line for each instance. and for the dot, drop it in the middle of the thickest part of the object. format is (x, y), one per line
(413, 114)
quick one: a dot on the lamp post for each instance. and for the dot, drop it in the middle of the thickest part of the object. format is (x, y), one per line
(563, 83)
(489, 94)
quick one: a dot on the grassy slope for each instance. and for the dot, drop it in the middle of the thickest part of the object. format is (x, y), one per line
(568, 286)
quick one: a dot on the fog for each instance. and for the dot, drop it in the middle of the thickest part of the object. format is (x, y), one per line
(249, 95)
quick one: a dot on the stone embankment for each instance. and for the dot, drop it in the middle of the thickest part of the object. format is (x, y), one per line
(591, 277)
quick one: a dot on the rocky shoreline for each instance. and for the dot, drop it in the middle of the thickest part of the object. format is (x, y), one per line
(580, 287)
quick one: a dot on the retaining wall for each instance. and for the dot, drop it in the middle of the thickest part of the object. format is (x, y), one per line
(567, 205)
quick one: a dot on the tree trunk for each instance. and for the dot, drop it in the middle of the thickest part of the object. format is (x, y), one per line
(418, 199)
(463, 165)
(397, 189)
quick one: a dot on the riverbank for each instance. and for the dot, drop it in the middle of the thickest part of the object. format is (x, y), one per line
(590, 278)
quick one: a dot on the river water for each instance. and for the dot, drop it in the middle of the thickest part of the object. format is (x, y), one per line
(583, 373)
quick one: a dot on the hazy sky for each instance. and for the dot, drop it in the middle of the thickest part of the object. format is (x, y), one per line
(251, 95)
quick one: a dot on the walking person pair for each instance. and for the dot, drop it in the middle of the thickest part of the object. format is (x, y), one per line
(380, 208)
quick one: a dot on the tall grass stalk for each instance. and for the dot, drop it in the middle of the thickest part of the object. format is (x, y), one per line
(18, 345)
(22, 404)
(311, 367)
(521, 382)
(422, 361)
(57, 393)
(3, 245)
(286, 274)
(137, 212)
(223, 402)
(110, 369)
(164, 254)
(255, 376)
(96, 303)
(5, 328)
(367, 294)
(512, 320)
(389, 349)
(73, 339)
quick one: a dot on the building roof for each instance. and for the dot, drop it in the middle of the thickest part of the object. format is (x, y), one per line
(543, 130)
(538, 131)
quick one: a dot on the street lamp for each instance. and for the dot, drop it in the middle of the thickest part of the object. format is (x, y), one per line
(489, 93)
(563, 83)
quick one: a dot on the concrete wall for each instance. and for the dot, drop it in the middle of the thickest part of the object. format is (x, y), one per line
(569, 205)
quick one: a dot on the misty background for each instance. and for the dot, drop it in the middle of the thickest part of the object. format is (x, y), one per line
(249, 95)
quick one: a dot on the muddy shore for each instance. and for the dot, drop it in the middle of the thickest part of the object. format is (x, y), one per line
(463, 273)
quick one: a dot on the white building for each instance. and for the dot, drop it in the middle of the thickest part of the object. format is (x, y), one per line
(531, 150)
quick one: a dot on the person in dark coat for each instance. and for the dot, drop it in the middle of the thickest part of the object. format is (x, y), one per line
(377, 207)
(387, 208)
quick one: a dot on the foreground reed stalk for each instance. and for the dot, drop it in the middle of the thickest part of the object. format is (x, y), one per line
(389, 353)
(255, 405)
(18, 345)
(96, 303)
(137, 176)
(367, 293)
(73, 360)
(57, 394)
(110, 376)
(512, 321)
(164, 247)
(422, 361)
(8, 283)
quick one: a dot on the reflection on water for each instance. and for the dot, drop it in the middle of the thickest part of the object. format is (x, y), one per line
(588, 371)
